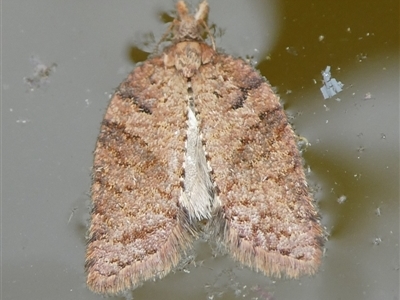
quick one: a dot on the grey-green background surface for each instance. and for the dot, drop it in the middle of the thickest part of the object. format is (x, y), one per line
(49, 133)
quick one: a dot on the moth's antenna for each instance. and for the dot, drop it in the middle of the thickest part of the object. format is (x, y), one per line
(201, 16)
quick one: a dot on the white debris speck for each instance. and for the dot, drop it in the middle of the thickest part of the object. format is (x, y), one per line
(368, 96)
(378, 211)
(292, 51)
(22, 121)
(341, 199)
(377, 241)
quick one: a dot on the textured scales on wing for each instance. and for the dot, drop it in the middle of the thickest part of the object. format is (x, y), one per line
(138, 231)
(266, 219)
(190, 135)
(140, 226)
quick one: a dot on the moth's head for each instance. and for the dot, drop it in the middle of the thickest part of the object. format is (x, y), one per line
(190, 26)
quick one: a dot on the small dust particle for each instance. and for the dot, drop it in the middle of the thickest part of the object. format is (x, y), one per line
(341, 199)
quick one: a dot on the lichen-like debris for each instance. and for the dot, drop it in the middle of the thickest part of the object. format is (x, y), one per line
(41, 73)
(331, 86)
(190, 135)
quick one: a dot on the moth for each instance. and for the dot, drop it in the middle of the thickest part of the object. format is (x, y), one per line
(193, 135)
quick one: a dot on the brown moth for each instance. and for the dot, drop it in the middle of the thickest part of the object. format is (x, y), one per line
(195, 135)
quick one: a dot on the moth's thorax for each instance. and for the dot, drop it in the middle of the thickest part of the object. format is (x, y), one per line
(188, 56)
(189, 51)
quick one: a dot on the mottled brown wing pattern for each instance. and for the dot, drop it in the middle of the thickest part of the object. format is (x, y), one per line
(137, 230)
(266, 218)
(194, 135)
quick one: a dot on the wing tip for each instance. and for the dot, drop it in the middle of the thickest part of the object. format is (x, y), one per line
(304, 259)
(276, 264)
(102, 278)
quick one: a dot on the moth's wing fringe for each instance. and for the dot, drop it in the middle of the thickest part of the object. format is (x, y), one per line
(271, 264)
(257, 258)
(154, 266)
